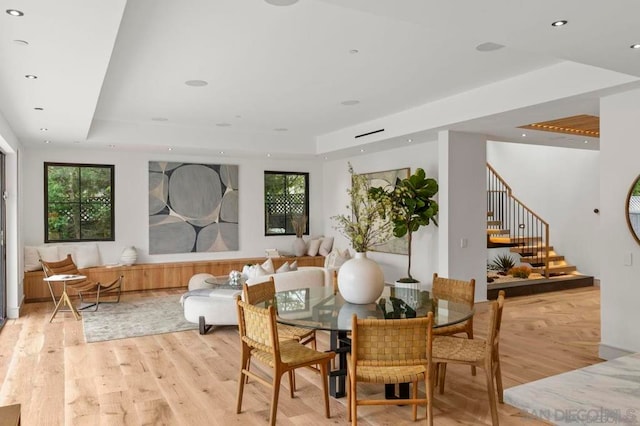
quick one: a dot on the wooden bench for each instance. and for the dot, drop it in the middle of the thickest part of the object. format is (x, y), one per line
(155, 276)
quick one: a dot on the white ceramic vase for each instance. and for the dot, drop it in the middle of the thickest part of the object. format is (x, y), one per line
(129, 256)
(299, 247)
(360, 280)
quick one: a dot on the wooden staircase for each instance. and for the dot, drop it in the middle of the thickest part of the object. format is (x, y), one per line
(512, 224)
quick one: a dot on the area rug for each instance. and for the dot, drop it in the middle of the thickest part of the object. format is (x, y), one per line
(134, 318)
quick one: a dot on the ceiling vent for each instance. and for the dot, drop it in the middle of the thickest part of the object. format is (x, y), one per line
(369, 133)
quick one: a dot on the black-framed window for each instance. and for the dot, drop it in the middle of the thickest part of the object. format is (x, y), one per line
(286, 196)
(78, 202)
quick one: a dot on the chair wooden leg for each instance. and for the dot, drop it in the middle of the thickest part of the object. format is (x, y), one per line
(277, 378)
(325, 388)
(244, 364)
(349, 396)
(498, 375)
(415, 396)
(292, 382)
(428, 386)
(470, 336)
(492, 395)
(354, 403)
(442, 374)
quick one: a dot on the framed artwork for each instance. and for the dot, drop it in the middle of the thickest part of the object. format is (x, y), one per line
(387, 179)
(192, 207)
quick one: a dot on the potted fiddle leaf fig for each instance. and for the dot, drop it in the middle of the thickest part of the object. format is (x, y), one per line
(412, 206)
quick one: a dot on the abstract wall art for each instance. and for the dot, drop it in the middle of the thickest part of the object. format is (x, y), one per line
(192, 207)
(387, 179)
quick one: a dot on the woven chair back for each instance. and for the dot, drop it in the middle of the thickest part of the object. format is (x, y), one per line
(258, 293)
(454, 290)
(258, 327)
(381, 342)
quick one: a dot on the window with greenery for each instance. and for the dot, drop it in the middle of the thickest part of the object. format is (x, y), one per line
(78, 202)
(285, 197)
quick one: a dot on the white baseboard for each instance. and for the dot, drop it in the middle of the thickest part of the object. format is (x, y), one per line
(610, 352)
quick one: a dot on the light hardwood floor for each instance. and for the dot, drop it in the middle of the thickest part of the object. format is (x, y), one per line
(187, 379)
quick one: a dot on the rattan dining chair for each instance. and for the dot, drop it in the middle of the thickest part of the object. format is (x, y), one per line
(390, 352)
(459, 291)
(85, 288)
(266, 291)
(260, 340)
(476, 352)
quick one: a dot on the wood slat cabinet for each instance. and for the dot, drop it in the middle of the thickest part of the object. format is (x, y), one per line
(152, 276)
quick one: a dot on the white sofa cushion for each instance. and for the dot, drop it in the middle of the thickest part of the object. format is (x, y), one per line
(305, 276)
(49, 253)
(31, 259)
(314, 246)
(325, 246)
(86, 255)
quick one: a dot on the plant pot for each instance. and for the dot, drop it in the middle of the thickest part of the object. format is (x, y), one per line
(299, 247)
(360, 280)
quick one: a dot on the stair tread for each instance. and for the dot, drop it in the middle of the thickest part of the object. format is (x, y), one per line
(498, 231)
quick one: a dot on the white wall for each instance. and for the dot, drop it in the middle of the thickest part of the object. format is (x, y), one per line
(562, 186)
(131, 200)
(619, 167)
(463, 211)
(335, 201)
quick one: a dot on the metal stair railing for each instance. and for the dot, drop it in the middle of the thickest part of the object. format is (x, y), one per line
(525, 227)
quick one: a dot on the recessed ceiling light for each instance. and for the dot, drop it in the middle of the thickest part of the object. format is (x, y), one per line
(39, 109)
(44, 129)
(169, 149)
(268, 155)
(586, 141)
(350, 102)
(14, 12)
(326, 158)
(159, 119)
(221, 152)
(281, 2)
(47, 141)
(281, 129)
(409, 140)
(489, 47)
(362, 150)
(223, 124)
(112, 146)
(559, 23)
(21, 42)
(635, 46)
(524, 135)
(31, 76)
(354, 51)
(196, 83)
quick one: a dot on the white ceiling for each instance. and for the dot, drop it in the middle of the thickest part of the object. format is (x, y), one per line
(108, 71)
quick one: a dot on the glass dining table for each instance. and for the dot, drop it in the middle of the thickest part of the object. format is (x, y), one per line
(322, 309)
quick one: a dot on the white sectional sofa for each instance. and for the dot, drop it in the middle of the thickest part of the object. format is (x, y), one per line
(216, 306)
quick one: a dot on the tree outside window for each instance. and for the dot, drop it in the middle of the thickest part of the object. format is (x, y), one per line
(78, 202)
(285, 197)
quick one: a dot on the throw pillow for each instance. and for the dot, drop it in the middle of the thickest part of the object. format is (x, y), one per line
(48, 253)
(284, 268)
(268, 266)
(86, 255)
(31, 259)
(256, 271)
(325, 246)
(336, 258)
(314, 246)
